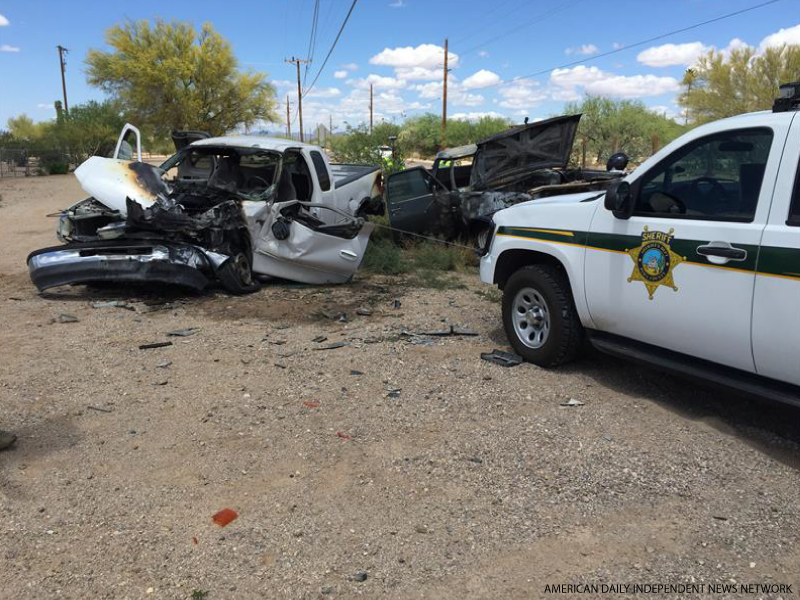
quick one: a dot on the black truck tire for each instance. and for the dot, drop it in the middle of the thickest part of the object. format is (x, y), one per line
(236, 275)
(539, 316)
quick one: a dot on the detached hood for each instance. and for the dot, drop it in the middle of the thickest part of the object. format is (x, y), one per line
(111, 181)
(512, 155)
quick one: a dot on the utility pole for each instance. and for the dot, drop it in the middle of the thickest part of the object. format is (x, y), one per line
(61, 53)
(297, 61)
(444, 97)
(288, 119)
(370, 109)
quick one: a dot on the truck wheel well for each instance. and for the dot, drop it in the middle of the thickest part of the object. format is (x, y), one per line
(511, 260)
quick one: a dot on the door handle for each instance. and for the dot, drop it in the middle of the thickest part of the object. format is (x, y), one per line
(721, 250)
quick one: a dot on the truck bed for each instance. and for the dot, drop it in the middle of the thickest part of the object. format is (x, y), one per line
(345, 173)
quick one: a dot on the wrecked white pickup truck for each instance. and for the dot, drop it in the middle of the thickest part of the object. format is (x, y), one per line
(232, 210)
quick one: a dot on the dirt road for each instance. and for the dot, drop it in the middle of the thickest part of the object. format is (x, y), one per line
(393, 467)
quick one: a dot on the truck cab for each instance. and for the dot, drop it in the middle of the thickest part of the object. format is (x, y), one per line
(691, 262)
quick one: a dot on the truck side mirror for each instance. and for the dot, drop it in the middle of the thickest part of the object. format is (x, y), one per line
(617, 162)
(619, 199)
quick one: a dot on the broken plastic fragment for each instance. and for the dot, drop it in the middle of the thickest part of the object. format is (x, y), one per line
(225, 517)
(504, 359)
(344, 436)
(183, 332)
(572, 402)
(311, 404)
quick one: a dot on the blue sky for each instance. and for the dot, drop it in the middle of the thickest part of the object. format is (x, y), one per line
(397, 45)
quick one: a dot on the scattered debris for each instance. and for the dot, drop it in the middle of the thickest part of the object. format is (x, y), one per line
(163, 364)
(155, 345)
(7, 439)
(225, 517)
(280, 366)
(113, 304)
(719, 518)
(311, 404)
(476, 459)
(359, 576)
(397, 304)
(64, 318)
(344, 436)
(161, 382)
(363, 312)
(451, 331)
(504, 359)
(354, 372)
(333, 346)
(572, 402)
(100, 409)
(393, 392)
(183, 332)
(319, 339)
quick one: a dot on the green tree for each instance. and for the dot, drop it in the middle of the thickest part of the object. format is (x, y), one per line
(90, 129)
(357, 145)
(720, 86)
(23, 128)
(169, 76)
(610, 126)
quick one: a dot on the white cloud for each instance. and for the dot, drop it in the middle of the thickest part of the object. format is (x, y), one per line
(46, 106)
(670, 55)
(417, 73)
(340, 74)
(7, 48)
(670, 112)
(398, 4)
(330, 92)
(600, 83)
(475, 115)
(461, 98)
(429, 56)
(350, 66)
(379, 81)
(522, 95)
(734, 44)
(429, 91)
(617, 45)
(282, 83)
(481, 79)
(790, 35)
(483, 53)
(3, 21)
(585, 49)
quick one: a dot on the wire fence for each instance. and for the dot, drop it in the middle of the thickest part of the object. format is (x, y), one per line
(14, 163)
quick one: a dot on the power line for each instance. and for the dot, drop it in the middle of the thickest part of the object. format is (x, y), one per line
(536, 19)
(312, 39)
(634, 45)
(338, 35)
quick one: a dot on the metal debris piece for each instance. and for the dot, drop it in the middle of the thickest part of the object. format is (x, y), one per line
(354, 372)
(332, 346)
(183, 332)
(163, 364)
(64, 318)
(393, 392)
(280, 366)
(451, 331)
(113, 304)
(572, 402)
(363, 312)
(155, 345)
(100, 409)
(504, 359)
(319, 339)
(397, 304)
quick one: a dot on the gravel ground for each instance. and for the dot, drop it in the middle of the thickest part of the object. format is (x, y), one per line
(396, 466)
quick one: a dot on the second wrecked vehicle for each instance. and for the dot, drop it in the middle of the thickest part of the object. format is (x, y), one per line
(227, 209)
(467, 185)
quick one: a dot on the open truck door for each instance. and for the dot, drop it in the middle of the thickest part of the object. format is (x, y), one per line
(128, 139)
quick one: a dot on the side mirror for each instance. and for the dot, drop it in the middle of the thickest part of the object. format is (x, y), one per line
(617, 162)
(619, 199)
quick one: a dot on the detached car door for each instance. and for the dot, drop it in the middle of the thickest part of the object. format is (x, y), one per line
(680, 273)
(409, 197)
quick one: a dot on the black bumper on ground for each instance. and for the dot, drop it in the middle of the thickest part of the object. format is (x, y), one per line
(124, 262)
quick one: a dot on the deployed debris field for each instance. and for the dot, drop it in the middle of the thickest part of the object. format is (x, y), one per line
(349, 441)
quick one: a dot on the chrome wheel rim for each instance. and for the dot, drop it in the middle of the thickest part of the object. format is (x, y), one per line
(531, 318)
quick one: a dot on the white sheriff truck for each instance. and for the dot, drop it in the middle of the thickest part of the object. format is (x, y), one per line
(691, 262)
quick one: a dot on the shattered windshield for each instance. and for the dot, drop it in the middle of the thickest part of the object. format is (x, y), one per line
(247, 172)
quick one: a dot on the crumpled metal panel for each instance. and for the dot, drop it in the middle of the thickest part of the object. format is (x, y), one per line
(111, 181)
(308, 255)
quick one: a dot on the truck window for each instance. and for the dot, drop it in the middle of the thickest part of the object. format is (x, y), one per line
(716, 178)
(794, 211)
(408, 185)
(322, 171)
